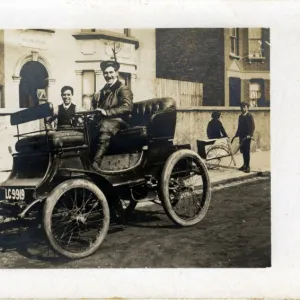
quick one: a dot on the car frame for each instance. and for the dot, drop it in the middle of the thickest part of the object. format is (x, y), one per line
(53, 169)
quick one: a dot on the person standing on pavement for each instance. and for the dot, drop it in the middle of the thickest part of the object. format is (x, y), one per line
(215, 129)
(245, 130)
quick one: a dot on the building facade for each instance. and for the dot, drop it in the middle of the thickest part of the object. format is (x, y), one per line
(232, 64)
(38, 63)
(210, 69)
(204, 69)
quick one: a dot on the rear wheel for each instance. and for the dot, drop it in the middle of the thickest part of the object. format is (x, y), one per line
(76, 218)
(185, 188)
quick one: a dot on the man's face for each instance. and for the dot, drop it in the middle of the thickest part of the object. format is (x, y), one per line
(110, 75)
(244, 109)
(67, 97)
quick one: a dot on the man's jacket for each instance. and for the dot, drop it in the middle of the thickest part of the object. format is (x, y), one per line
(215, 129)
(246, 125)
(115, 100)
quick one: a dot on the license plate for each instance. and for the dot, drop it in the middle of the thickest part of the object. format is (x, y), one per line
(14, 194)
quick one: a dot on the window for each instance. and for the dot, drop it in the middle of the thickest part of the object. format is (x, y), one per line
(125, 78)
(88, 88)
(255, 43)
(259, 93)
(2, 104)
(234, 41)
(254, 93)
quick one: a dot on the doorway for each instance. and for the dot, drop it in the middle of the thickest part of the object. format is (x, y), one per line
(34, 77)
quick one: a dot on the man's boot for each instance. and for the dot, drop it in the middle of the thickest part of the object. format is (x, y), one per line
(102, 148)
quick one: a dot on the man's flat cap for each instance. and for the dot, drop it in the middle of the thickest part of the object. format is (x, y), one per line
(109, 63)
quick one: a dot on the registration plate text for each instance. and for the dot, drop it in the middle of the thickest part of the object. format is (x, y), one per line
(14, 194)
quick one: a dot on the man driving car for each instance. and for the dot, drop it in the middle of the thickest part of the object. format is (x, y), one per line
(113, 104)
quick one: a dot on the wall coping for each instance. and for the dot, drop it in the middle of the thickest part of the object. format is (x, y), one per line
(10, 110)
(219, 108)
(107, 35)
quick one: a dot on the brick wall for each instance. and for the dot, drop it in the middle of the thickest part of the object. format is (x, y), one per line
(195, 55)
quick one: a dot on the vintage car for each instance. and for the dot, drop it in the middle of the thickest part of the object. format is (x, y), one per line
(52, 170)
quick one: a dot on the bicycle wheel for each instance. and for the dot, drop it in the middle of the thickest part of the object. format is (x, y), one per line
(217, 154)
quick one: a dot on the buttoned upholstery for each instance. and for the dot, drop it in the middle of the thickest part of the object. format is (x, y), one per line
(150, 119)
(54, 139)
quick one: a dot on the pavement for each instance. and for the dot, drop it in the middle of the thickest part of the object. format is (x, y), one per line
(260, 162)
(224, 174)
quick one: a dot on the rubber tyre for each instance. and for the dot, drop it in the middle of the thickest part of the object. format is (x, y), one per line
(164, 187)
(50, 204)
(210, 163)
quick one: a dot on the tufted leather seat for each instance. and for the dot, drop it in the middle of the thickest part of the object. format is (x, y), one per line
(55, 139)
(150, 119)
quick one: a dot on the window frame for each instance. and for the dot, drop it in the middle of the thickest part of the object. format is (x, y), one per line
(90, 95)
(258, 39)
(127, 77)
(234, 39)
(261, 83)
(93, 72)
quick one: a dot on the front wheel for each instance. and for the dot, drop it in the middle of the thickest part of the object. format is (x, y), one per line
(185, 188)
(216, 154)
(76, 218)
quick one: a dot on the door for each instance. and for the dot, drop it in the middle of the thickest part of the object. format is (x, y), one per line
(34, 79)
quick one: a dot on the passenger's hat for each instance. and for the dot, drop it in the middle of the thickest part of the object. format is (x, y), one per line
(109, 63)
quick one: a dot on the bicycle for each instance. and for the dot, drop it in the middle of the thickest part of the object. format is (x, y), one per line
(222, 151)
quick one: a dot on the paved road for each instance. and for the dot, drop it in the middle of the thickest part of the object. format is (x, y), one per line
(235, 233)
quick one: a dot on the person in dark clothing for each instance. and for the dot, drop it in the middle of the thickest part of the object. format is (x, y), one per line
(245, 130)
(114, 105)
(215, 129)
(64, 112)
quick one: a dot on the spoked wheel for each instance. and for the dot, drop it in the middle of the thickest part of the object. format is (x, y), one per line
(76, 218)
(217, 154)
(185, 188)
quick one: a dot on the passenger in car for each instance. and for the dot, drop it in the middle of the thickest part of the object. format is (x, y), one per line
(114, 105)
(62, 115)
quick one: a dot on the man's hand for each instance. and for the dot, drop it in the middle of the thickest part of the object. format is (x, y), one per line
(101, 111)
(248, 137)
(80, 120)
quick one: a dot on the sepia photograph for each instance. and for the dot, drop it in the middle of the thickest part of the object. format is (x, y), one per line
(135, 148)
